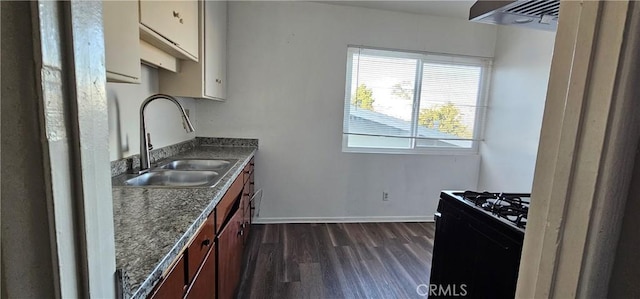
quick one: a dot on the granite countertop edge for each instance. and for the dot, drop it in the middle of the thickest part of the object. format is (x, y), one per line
(148, 284)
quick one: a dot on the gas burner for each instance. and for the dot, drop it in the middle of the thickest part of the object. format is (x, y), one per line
(513, 207)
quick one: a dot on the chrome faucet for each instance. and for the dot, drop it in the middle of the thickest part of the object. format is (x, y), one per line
(145, 143)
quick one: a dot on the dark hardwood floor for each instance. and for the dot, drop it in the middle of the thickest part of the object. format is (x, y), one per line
(350, 260)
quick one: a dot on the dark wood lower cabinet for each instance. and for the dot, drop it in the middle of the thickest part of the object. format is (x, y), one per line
(208, 269)
(173, 285)
(245, 207)
(246, 226)
(230, 246)
(232, 239)
(204, 283)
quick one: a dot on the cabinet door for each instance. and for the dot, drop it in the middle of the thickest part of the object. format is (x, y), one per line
(177, 21)
(121, 35)
(173, 285)
(246, 211)
(230, 257)
(215, 49)
(204, 284)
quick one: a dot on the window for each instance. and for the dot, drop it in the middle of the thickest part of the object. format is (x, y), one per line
(407, 102)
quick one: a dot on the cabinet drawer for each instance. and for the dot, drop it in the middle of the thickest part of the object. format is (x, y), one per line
(197, 250)
(246, 195)
(173, 284)
(224, 206)
(252, 184)
(248, 170)
(248, 192)
(204, 283)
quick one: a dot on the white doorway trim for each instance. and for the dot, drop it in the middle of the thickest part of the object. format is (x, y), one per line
(71, 83)
(582, 175)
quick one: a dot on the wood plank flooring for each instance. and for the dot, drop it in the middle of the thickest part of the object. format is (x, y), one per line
(345, 260)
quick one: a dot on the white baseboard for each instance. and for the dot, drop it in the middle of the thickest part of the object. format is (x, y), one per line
(262, 220)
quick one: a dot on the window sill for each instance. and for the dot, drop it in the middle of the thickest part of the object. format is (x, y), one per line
(399, 151)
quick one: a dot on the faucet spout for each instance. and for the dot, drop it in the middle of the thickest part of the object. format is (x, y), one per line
(144, 138)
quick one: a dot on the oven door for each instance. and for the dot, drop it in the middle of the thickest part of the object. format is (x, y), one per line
(470, 257)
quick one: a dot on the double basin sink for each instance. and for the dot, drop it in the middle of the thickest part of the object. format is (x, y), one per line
(184, 173)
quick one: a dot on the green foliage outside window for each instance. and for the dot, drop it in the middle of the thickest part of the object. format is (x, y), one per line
(363, 98)
(445, 119)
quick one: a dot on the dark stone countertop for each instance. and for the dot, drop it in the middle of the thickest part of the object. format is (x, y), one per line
(152, 225)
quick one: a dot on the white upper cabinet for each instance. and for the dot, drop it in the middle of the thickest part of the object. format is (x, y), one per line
(206, 78)
(171, 26)
(122, 54)
(215, 40)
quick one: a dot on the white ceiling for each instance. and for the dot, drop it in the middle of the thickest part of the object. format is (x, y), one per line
(458, 9)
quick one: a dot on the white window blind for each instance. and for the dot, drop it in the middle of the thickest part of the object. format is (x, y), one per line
(408, 101)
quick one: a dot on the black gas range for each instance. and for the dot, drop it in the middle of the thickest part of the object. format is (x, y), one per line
(477, 244)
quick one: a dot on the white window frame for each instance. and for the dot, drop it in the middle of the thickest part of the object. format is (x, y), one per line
(479, 122)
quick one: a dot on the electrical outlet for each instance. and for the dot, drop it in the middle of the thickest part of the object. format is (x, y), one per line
(385, 196)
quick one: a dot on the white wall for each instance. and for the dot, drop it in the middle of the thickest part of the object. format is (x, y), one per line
(516, 103)
(287, 63)
(163, 118)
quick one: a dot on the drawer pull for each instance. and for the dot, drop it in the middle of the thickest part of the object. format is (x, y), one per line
(206, 242)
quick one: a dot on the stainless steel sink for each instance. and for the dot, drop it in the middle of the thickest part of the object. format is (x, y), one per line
(184, 173)
(175, 178)
(196, 164)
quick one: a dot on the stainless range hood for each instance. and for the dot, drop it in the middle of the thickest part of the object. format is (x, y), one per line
(536, 14)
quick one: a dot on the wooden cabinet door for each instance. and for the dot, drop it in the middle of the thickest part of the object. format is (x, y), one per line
(246, 210)
(173, 284)
(230, 257)
(204, 283)
(215, 49)
(121, 35)
(246, 224)
(177, 21)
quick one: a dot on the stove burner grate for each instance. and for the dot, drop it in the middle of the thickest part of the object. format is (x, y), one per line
(513, 207)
